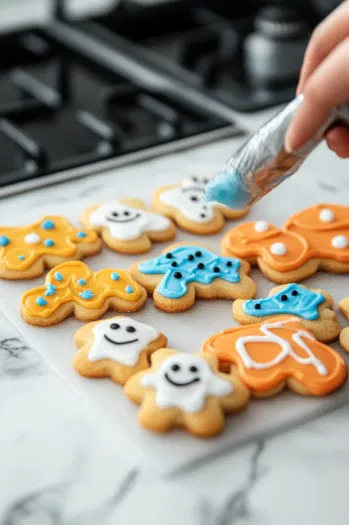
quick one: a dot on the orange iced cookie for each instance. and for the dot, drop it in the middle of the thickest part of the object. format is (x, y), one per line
(73, 288)
(26, 251)
(279, 353)
(313, 239)
(344, 335)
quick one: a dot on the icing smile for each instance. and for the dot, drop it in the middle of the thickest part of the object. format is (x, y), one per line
(187, 383)
(129, 219)
(120, 342)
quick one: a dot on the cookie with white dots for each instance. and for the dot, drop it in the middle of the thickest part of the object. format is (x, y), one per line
(184, 203)
(117, 347)
(186, 390)
(314, 308)
(186, 272)
(127, 227)
(316, 238)
(25, 251)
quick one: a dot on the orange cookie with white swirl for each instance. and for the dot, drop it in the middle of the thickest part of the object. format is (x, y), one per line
(316, 238)
(184, 203)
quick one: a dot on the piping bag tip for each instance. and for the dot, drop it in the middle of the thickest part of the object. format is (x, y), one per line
(228, 189)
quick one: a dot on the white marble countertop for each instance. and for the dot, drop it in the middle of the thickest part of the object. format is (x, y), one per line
(57, 469)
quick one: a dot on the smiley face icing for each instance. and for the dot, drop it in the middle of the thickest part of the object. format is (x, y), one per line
(73, 288)
(116, 348)
(279, 353)
(314, 308)
(185, 204)
(26, 251)
(185, 390)
(185, 272)
(126, 227)
(313, 239)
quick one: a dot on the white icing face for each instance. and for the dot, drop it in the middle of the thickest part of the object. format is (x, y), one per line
(32, 238)
(184, 381)
(278, 248)
(326, 215)
(121, 339)
(261, 226)
(340, 242)
(126, 223)
(190, 202)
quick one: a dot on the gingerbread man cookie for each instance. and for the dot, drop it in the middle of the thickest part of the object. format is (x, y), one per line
(126, 226)
(184, 203)
(316, 238)
(26, 251)
(73, 288)
(185, 390)
(279, 353)
(117, 347)
(185, 272)
(314, 308)
(344, 335)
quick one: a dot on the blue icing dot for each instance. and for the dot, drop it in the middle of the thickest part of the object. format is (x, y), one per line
(21, 257)
(41, 301)
(129, 289)
(58, 276)
(86, 294)
(50, 289)
(49, 243)
(48, 225)
(82, 282)
(187, 264)
(293, 299)
(81, 235)
(115, 276)
(4, 241)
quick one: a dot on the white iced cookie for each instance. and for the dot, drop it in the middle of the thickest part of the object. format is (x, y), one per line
(125, 222)
(121, 340)
(184, 381)
(117, 348)
(190, 202)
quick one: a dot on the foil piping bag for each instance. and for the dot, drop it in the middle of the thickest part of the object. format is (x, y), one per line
(262, 163)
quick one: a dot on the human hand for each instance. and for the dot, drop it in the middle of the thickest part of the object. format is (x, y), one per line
(324, 82)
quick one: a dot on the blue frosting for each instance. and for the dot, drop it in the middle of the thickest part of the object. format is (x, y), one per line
(4, 241)
(228, 189)
(40, 301)
(114, 276)
(129, 289)
(81, 235)
(186, 264)
(82, 282)
(49, 243)
(293, 300)
(50, 289)
(21, 257)
(86, 294)
(48, 225)
(58, 276)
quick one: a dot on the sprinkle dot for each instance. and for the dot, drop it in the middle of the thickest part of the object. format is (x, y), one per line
(58, 276)
(216, 269)
(129, 289)
(283, 297)
(114, 276)
(48, 225)
(261, 226)
(326, 215)
(49, 243)
(294, 293)
(278, 248)
(177, 275)
(86, 294)
(32, 238)
(198, 254)
(40, 301)
(257, 306)
(50, 289)
(82, 282)
(200, 266)
(340, 242)
(21, 257)
(169, 255)
(81, 235)
(229, 264)
(4, 241)
(190, 257)
(174, 264)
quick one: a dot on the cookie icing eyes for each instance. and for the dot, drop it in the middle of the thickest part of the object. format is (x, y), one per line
(125, 222)
(184, 381)
(121, 340)
(326, 215)
(190, 202)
